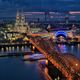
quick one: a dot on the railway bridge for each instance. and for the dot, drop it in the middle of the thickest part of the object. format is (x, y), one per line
(67, 64)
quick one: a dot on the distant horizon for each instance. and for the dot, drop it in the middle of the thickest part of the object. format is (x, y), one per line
(28, 13)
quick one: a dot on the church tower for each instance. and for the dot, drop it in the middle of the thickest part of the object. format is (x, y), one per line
(22, 18)
(21, 25)
(24, 23)
(18, 18)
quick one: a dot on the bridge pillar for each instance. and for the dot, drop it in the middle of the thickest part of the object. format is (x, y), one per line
(32, 48)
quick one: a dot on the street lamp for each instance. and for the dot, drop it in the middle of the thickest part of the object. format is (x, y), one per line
(76, 64)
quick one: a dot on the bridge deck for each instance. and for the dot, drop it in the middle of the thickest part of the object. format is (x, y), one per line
(54, 57)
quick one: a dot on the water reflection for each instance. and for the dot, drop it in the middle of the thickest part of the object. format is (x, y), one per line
(72, 49)
(14, 49)
(62, 48)
(16, 69)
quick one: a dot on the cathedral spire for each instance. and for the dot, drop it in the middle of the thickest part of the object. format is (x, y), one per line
(18, 17)
(22, 18)
(21, 25)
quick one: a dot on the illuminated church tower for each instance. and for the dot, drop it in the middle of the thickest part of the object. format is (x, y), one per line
(21, 25)
(18, 18)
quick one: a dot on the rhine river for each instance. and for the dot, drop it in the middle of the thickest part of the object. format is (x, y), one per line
(14, 68)
(71, 49)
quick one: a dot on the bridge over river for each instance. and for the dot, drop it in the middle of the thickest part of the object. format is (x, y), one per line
(67, 64)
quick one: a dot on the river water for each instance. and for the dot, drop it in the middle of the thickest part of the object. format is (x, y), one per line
(71, 49)
(14, 68)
